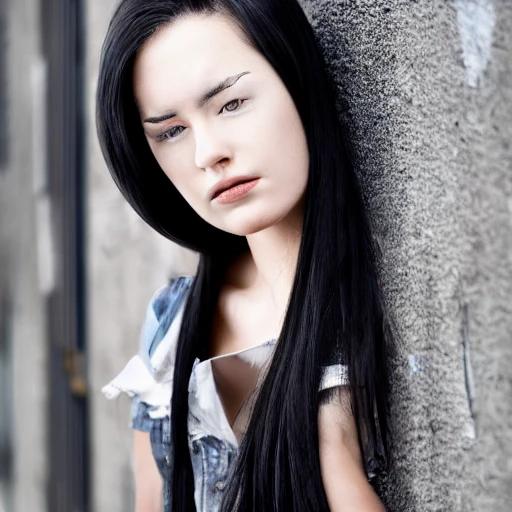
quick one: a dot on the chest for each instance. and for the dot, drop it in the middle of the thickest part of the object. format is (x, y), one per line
(241, 322)
(235, 381)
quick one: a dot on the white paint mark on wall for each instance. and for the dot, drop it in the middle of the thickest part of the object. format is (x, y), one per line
(414, 363)
(475, 20)
(469, 429)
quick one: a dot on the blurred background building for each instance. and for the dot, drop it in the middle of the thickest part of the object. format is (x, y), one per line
(77, 268)
(427, 95)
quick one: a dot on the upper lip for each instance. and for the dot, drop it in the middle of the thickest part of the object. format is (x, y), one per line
(226, 183)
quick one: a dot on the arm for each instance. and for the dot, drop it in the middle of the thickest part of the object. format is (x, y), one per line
(345, 482)
(148, 482)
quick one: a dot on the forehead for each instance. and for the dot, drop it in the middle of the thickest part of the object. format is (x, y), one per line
(186, 56)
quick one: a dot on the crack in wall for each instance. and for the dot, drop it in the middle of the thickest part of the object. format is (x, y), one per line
(470, 428)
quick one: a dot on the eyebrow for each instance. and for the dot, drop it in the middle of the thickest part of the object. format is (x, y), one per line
(204, 99)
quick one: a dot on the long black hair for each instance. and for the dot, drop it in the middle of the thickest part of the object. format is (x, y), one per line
(335, 312)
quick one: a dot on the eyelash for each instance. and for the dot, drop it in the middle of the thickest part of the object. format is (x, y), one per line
(167, 135)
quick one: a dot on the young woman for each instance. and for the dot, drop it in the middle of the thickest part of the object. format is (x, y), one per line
(261, 382)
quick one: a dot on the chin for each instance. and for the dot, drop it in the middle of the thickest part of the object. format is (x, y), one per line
(252, 224)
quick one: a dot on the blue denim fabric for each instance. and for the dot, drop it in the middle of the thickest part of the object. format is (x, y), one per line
(163, 308)
(212, 443)
(211, 458)
(159, 435)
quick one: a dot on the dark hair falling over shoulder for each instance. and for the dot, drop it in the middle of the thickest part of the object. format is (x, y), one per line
(335, 310)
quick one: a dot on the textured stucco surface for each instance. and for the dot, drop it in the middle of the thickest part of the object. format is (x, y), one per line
(425, 88)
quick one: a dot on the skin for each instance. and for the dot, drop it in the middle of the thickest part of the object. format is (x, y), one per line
(344, 479)
(149, 486)
(249, 128)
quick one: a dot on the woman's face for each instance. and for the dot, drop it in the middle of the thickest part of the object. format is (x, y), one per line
(214, 109)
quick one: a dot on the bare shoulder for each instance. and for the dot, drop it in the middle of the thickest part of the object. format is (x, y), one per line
(346, 486)
(336, 422)
(336, 406)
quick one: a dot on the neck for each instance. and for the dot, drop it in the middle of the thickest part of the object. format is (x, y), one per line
(268, 268)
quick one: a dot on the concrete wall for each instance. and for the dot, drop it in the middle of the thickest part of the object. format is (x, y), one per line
(127, 262)
(426, 91)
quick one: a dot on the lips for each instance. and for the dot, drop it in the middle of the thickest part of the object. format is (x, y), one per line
(228, 183)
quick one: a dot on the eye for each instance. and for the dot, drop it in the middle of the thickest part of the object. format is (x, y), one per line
(175, 131)
(171, 133)
(232, 106)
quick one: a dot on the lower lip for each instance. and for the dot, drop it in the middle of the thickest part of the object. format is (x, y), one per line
(235, 193)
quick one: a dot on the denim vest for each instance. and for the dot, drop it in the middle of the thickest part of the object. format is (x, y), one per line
(147, 379)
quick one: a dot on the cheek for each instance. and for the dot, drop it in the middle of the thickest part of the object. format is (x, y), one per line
(173, 162)
(286, 145)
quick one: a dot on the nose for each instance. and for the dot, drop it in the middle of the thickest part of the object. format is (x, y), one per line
(211, 149)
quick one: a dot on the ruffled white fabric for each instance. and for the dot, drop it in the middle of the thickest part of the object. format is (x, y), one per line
(150, 379)
(207, 416)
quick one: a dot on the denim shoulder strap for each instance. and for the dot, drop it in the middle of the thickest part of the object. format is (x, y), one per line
(165, 307)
